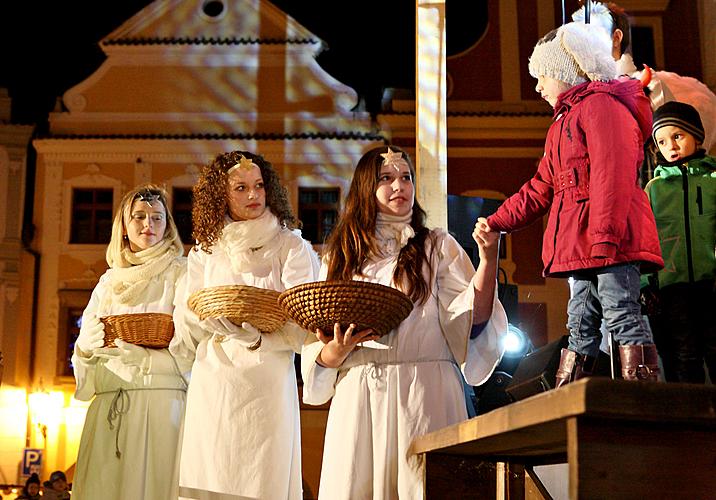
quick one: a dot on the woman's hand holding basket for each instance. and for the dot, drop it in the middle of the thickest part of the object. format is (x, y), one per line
(246, 334)
(91, 336)
(129, 354)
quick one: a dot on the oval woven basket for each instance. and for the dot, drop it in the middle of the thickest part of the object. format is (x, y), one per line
(240, 303)
(324, 303)
(153, 330)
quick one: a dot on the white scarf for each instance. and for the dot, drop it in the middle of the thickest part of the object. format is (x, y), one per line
(128, 283)
(392, 233)
(250, 243)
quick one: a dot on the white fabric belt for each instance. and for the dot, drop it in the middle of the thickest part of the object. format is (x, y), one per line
(375, 368)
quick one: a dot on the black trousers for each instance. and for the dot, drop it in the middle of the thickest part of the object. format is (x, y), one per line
(685, 331)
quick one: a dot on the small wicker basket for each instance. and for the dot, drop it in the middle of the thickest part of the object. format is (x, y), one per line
(153, 330)
(324, 303)
(240, 303)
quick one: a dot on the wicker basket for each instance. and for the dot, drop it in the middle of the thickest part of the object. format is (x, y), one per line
(146, 329)
(240, 303)
(324, 303)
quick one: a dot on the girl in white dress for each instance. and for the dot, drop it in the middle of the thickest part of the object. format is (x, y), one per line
(407, 383)
(242, 429)
(129, 442)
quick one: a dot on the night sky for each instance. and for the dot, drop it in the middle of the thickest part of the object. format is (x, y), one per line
(48, 46)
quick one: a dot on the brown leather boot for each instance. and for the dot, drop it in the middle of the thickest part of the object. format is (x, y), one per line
(573, 366)
(639, 362)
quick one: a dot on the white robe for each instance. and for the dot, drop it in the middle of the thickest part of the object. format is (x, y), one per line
(409, 384)
(148, 435)
(242, 429)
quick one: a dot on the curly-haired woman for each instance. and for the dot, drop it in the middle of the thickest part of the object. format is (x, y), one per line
(242, 431)
(131, 434)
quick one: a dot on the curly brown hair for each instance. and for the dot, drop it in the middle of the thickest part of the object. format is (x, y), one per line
(352, 241)
(210, 204)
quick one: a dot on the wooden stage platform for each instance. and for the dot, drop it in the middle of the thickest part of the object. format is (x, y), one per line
(620, 439)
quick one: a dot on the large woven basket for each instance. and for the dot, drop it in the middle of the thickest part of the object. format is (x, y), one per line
(324, 303)
(146, 329)
(240, 303)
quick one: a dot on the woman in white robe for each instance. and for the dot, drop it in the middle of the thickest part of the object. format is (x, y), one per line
(129, 442)
(408, 382)
(242, 429)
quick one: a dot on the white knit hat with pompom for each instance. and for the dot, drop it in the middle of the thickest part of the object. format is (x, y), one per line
(578, 52)
(599, 16)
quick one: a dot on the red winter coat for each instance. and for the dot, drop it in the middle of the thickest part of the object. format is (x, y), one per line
(588, 180)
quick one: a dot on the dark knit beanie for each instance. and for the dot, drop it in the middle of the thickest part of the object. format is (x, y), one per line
(679, 114)
(34, 478)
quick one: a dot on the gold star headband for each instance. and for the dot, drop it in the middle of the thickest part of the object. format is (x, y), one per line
(244, 164)
(394, 159)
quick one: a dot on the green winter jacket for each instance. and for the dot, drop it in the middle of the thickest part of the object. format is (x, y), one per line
(683, 198)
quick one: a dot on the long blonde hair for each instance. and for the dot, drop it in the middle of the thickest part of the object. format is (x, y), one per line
(118, 242)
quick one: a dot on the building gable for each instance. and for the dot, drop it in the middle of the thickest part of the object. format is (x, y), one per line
(210, 22)
(174, 69)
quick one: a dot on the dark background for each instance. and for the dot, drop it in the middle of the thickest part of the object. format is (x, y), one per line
(48, 46)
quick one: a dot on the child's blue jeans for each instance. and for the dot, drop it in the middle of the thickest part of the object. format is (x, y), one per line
(611, 293)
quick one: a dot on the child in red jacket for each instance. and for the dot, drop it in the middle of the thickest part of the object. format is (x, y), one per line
(600, 229)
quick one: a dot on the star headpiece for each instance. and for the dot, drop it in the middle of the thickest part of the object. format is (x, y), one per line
(147, 196)
(393, 158)
(244, 164)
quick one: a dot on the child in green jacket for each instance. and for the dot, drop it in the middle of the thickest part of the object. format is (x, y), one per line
(683, 197)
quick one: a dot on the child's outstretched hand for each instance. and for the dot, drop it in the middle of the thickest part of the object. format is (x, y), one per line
(337, 348)
(487, 239)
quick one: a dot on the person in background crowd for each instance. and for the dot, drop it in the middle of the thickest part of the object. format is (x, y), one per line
(31, 490)
(56, 488)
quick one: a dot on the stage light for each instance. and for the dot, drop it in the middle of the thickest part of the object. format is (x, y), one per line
(516, 342)
(512, 342)
(516, 345)
(492, 394)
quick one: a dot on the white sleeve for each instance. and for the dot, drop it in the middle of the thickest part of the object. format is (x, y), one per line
(84, 369)
(299, 265)
(299, 262)
(456, 296)
(290, 337)
(486, 350)
(319, 383)
(82, 366)
(455, 293)
(187, 332)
